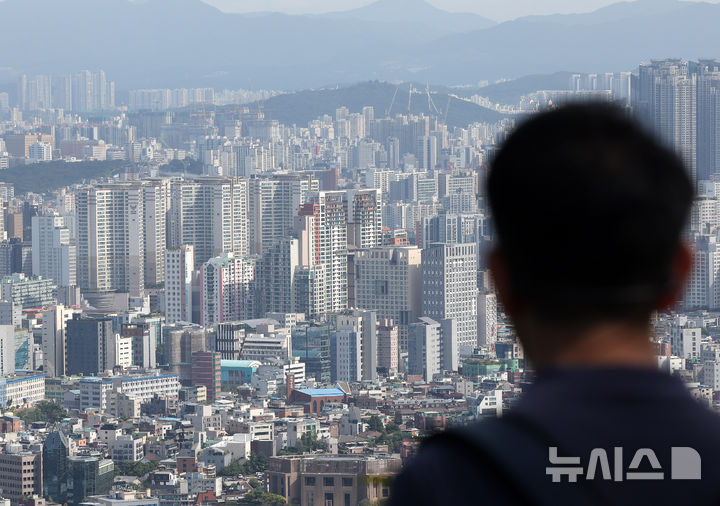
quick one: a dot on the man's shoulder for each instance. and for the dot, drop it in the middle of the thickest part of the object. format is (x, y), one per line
(448, 469)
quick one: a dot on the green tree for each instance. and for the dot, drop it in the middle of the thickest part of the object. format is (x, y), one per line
(47, 176)
(257, 463)
(376, 424)
(45, 411)
(138, 468)
(392, 436)
(264, 498)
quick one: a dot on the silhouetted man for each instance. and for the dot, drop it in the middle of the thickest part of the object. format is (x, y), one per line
(588, 212)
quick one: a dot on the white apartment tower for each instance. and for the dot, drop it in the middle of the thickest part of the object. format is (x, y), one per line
(703, 286)
(54, 255)
(364, 217)
(211, 214)
(155, 206)
(666, 101)
(110, 234)
(322, 231)
(274, 204)
(279, 265)
(227, 289)
(179, 268)
(7, 350)
(487, 318)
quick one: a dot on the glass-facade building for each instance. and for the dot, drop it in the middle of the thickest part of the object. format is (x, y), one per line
(311, 344)
(56, 452)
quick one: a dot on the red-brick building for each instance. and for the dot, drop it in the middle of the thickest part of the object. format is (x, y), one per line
(313, 400)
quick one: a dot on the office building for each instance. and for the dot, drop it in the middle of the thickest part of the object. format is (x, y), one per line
(311, 344)
(19, 144)
(432, 347)
(90, 346)
(685, 339)
(206, 371)
(427, 152)
(389, 280)
(21, 475)
(56, 466)
(10, 314)
(355, 346)
(310, 480)
(449, 288)
(33, 292)
(40, 152)
(89, 475)
(143, 336)
(388, 347)
(22, 390)
(54, 339)
(180, 341)
(229, 338)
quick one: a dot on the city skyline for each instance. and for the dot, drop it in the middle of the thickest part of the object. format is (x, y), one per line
(261, 257)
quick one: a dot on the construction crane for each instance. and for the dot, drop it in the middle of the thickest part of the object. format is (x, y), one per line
(387, 112)
(431, 104)
(447, 108)
(410, 97)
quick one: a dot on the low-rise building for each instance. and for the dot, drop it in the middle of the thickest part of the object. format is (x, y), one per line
(318, 480)
(22, 389)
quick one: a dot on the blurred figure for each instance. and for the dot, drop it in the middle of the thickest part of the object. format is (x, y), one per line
(589, 211)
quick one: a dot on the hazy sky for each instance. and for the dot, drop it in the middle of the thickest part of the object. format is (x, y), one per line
(500, 10)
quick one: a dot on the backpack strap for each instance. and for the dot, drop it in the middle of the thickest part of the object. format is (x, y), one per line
(520, 452)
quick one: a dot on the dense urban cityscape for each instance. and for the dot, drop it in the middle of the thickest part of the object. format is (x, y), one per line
(200, 303)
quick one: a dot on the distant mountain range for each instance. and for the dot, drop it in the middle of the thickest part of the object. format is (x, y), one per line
(304, 106)
(418, 15)
(183, 43)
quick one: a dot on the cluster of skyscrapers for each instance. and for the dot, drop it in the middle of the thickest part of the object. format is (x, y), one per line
(299, 266)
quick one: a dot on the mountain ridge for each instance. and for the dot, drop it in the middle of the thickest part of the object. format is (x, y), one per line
(187, 43)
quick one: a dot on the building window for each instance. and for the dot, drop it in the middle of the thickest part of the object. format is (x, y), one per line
(309, 481)
(328, 481)
(347, 482)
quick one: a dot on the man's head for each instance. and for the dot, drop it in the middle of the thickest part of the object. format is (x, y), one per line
(588, 212)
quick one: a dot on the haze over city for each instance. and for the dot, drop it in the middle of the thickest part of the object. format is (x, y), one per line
(249, 251)
(497, 10)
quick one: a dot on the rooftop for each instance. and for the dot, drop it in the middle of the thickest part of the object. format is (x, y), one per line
(323, 392)
(239, 363)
